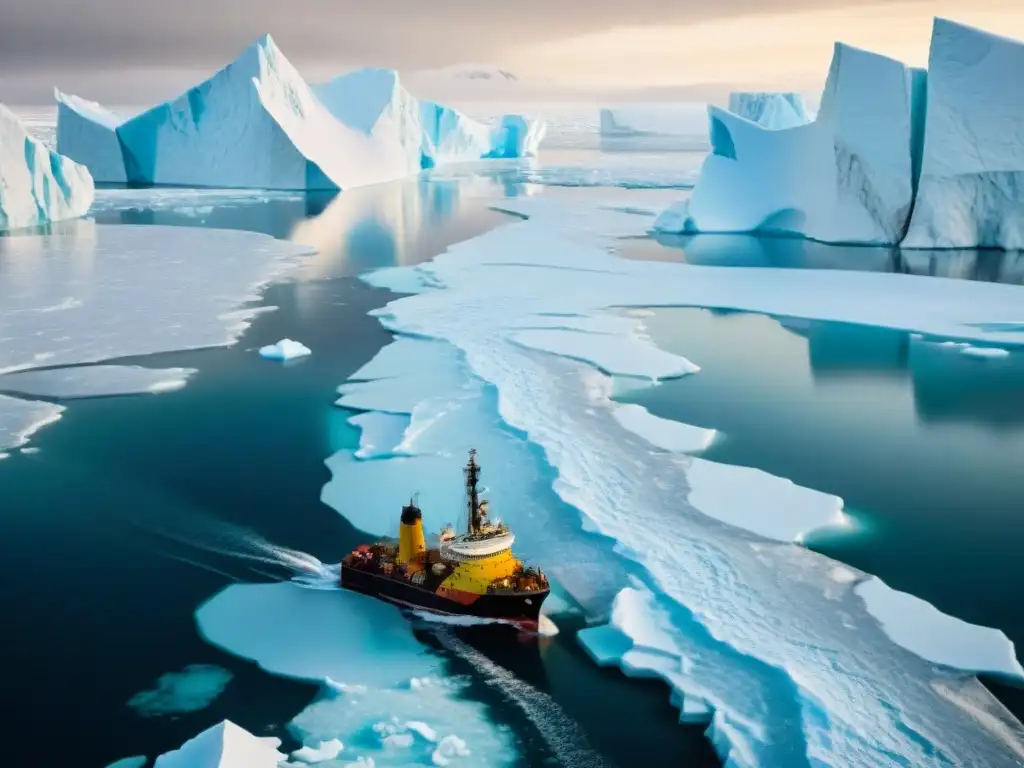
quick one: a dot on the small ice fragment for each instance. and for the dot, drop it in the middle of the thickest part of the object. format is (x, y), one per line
(325, 750)
(422, 729)
(285, 349)
(449, 747)
(399, 740)
(985, 353)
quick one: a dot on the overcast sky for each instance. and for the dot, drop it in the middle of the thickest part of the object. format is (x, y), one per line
(141, 51)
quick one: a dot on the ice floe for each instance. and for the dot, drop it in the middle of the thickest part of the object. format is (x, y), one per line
(920, 627)
(664, 433)
(190, 690)
(285, 349)
(82, 381)
(37, 186)
(364, 654)
(20, 419)
(63, 302)
(137, 761)
(784, 658)
(224, 745)
(324, 750)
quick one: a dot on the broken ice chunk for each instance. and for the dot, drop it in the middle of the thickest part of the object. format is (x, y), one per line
(285, 349)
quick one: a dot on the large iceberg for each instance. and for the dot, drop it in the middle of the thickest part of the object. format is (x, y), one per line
(847, 177)
(971, 192)
(772, 110)
(37, 185)
(257, 124)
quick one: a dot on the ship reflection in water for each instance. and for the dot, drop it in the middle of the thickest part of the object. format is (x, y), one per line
(470, 574)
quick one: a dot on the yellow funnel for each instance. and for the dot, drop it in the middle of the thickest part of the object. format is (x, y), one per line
(411, 543)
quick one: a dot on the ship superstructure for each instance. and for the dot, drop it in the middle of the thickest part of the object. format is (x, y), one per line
(472, 573)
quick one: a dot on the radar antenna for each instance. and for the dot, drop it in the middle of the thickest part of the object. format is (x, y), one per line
(472, 473)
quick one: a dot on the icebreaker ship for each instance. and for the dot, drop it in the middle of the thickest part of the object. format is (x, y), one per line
(37, 185)
(971, 191)
(772, 110)
(847, 177)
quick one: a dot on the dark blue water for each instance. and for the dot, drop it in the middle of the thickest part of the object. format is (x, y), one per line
(137, 509)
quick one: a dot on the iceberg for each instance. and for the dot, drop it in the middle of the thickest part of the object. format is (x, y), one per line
(648, 127)
(257, 124)
(766, 639)
(771, 110)
(971, 192)
(285, 349)
(225, 745)
(847, 177)
(87, 131)
(36, 185)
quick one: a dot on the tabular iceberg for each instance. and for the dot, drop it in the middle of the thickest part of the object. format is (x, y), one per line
(257, 124)
(847, 177)
(770, 110)
(37, 185)
(971, 192)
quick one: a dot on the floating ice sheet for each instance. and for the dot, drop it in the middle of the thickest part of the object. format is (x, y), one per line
(102, 292)
(192, 689)
(794, 667)
(94, 381)
(364, 653)
(19, 419)
(664, 433)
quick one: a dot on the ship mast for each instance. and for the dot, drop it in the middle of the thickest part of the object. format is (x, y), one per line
(472, 473)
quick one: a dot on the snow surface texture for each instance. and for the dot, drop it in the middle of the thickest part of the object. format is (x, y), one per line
(971, 192)
(384, 695)
(847, 177)
(224, 745)
(257, 124)
(771, 110)
(285, 349)
(63, 303)
(94, 381)
(37, 185)
(793, 665)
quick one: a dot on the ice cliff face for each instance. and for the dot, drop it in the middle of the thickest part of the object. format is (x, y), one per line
(770, 110)
(258, 124)
(37, 185)
(846, 177)
(971, 192)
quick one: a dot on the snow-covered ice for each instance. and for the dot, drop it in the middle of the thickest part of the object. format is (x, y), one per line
(63, 303)
(364, 653)
(920, 627)
(847, 177)
(190, 690)
(664, 433)
(758, 634)
(985, 353)
(971, 191)
(771, 110)
(285, 349)
(224, 745)
(36, 185)
(94, 381)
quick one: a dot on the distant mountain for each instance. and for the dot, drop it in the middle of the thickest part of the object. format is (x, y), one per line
(473, 72)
